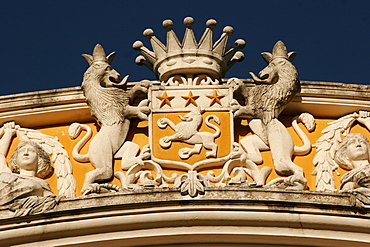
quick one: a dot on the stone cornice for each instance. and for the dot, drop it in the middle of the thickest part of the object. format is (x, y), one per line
(234, 214)
(50, 107)
(330, 100)
(44, 107)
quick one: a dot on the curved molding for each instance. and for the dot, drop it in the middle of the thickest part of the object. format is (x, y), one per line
(162, 217)
(322, 99)
(44, 108)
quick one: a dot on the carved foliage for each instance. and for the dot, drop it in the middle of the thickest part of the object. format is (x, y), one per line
(22, 185)
(59, 156)
(192, 183)
(326, 147)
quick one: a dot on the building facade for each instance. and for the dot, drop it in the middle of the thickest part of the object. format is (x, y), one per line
(190, 159)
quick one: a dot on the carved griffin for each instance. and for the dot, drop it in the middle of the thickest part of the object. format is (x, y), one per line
(276, 86)
(109, 102)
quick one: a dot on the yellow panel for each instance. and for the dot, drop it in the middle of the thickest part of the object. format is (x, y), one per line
(139, 134)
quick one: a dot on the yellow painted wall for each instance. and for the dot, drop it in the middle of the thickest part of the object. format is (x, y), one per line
(139, 134)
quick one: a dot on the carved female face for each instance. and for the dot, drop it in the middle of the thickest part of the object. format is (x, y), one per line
(357, 149)
(27, 158)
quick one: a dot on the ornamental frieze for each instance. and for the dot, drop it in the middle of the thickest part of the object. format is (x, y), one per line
(190, 131)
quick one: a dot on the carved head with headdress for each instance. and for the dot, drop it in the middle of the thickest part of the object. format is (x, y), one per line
(43, 169)
(355, 147)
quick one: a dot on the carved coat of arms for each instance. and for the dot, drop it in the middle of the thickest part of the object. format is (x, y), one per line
(190, 112)
(191, 122)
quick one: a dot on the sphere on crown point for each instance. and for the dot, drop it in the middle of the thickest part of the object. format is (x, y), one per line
(167, 24)
(137, 45)
(211, 23)
(228, 30)
(148, 33)
(188, 21)
(240, 43)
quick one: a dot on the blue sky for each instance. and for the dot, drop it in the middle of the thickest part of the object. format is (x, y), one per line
(41, 41)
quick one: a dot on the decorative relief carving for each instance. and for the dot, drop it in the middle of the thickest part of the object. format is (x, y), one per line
(192, 183)
(109, 102)
(187, 132)
(22, 185)
(329, 143)
(189, 63)
(203, 67)
(192, 71)
(198, 149)
(353, 154)
(140, 170)
(179, 80)
(276, 86)
(194, 128)
(199, 109)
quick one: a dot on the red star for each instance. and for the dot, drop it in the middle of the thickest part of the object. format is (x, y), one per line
(165, 99)
(215, 98)
(190, 99)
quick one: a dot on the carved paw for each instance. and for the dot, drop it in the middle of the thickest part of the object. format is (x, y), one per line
(364, 114)
(128, 163)
(235, 83)
(162, 123)
(145, 152)
(185, 153)
(100, 188)
(293, 182)
(240, 112)
(210, 154)
(141, 86)
(144, 106)
(145, 84)
(234, 105)
(90, 188)
(144, 109)
(165, 142)
(244, 111)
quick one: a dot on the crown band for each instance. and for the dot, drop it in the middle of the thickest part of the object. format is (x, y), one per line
(189, 57)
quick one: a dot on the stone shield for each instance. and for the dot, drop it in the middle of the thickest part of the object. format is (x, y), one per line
(190, 126)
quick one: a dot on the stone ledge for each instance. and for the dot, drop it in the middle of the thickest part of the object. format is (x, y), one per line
(319, 98)
(164, 209)
(327, 203)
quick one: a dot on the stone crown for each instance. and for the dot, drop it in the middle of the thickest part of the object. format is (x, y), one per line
(189, 58)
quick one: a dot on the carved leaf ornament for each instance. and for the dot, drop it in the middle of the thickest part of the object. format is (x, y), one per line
(326, 146)
(63, 168)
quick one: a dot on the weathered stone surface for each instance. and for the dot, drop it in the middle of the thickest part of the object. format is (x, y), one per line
(235, 214)
(109, 103)
(61, 105)
(277, 84)
(189, 59)
(353, 155)
(23, 189)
